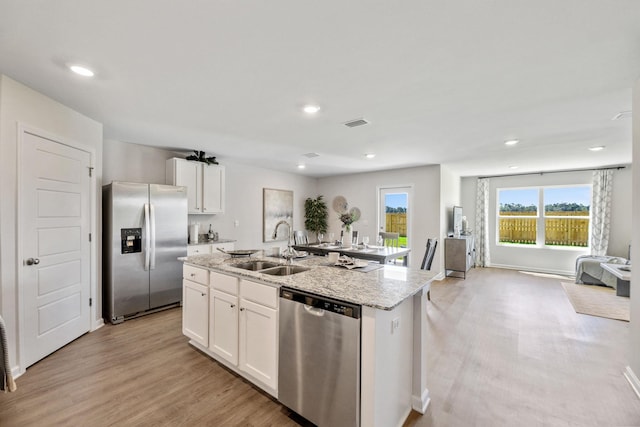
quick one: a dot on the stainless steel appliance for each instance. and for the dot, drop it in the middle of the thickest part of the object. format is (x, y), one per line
(319, 359)
(144, 232)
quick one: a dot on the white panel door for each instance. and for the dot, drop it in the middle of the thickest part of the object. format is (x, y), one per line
(55, 218)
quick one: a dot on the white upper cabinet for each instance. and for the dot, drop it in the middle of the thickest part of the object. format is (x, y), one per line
(205, 184)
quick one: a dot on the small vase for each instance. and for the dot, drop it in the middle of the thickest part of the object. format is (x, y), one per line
(347, 237)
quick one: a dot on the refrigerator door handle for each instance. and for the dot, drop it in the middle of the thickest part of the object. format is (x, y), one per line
(153, 236)
(147, 230)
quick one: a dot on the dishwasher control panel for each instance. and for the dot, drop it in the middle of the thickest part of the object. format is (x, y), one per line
(324, 303)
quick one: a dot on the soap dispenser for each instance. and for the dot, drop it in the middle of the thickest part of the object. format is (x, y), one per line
(210, 232)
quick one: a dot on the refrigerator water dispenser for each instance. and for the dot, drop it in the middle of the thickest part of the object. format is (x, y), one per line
(131, 240)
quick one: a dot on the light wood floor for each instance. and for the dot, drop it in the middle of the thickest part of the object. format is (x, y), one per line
(505, 349)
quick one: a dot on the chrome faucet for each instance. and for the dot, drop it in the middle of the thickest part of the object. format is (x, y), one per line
(290, 253)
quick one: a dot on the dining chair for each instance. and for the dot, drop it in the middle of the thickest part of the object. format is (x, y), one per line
(300, 237)
(390, 239)
(428, 258)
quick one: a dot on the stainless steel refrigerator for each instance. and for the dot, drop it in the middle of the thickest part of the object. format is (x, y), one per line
(144, 232)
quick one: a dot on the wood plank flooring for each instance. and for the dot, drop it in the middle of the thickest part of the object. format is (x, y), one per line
(505, 348)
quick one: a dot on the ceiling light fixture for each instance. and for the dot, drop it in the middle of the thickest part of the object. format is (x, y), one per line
(511, 142)
(83, 71)
(311, 109)
(598, 148)
(369, 155)
(514, 167)
(301, 166)
(622, 115)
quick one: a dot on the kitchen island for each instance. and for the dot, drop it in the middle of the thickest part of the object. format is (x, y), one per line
(393, 322)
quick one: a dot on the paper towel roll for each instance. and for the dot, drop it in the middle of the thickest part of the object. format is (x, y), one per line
(193, 233)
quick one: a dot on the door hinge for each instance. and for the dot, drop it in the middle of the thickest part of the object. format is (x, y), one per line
(90, 171)
(89, 236)
(90, 302)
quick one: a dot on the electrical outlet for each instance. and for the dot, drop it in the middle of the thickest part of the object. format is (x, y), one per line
(395, 324)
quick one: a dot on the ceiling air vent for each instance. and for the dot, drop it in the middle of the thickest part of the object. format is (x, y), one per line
(356, 122)
(311, 155)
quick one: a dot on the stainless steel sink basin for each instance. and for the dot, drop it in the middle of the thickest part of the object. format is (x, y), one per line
(285, 270)
(256, 265)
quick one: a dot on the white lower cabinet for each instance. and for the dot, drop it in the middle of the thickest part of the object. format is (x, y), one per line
(240, 324)
(195, 311)
(223, 325)
(259, 342)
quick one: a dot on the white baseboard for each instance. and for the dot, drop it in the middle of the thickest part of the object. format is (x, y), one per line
(97, 324)
(421, 403)
(535, 270)
(440, 276)
(633, 380)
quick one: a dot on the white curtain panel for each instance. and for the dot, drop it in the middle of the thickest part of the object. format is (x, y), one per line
(482, 223)
(601, 211)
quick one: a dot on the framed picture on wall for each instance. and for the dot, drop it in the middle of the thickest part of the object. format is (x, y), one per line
(277, 206)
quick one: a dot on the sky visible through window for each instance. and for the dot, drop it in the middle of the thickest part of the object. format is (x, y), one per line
(529, 196)
(398, 200)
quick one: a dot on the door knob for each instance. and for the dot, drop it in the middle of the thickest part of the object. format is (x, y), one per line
(32, 261)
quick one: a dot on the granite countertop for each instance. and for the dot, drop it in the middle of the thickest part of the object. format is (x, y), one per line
(383, 288)
(210, 242)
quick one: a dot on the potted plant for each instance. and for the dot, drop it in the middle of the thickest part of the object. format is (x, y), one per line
(316, 214)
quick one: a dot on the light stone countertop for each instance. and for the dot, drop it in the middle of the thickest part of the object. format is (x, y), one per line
(384, 288)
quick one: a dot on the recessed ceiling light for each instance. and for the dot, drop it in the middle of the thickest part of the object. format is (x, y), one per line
(301, 166)
(83, 71)
(311, 109)
(514, 167)
(369, 155)
(511, 142)
(598, 148)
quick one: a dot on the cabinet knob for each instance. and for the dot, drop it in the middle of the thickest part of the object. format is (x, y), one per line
(242, 309)
(233, 305)
(204, 295)
(192, 275)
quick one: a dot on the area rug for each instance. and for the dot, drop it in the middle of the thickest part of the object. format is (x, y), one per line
(597, 301)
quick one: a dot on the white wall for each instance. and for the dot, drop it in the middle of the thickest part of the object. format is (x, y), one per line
(553, 260)
(634, 354)
(449, 197)
(362, 190)
(20, 104)
(128, 162)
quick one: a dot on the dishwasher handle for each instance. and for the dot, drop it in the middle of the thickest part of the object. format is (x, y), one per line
(318, 312)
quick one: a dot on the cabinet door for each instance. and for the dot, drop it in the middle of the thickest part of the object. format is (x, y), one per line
(189, 174)
(259, 342)
(223, 326)
(212, 189)
(195, 312)
(224, 246)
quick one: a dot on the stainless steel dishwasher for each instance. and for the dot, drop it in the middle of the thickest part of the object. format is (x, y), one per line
(319, 361)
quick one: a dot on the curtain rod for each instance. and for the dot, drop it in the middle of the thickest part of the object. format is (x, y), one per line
(561, 171)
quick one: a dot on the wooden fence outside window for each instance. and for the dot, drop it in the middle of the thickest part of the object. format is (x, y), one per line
(573, 230)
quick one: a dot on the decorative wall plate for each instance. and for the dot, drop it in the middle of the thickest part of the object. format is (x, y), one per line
(340, 204)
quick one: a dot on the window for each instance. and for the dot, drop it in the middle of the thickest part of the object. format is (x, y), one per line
(564, 221)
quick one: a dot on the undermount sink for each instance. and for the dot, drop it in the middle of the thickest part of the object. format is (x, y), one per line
(256, 265)
(285, 270)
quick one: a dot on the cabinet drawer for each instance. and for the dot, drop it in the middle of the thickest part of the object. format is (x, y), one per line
(261, 294)
(224, 283)
(198, 250)
(195, 274)
(224, 246)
